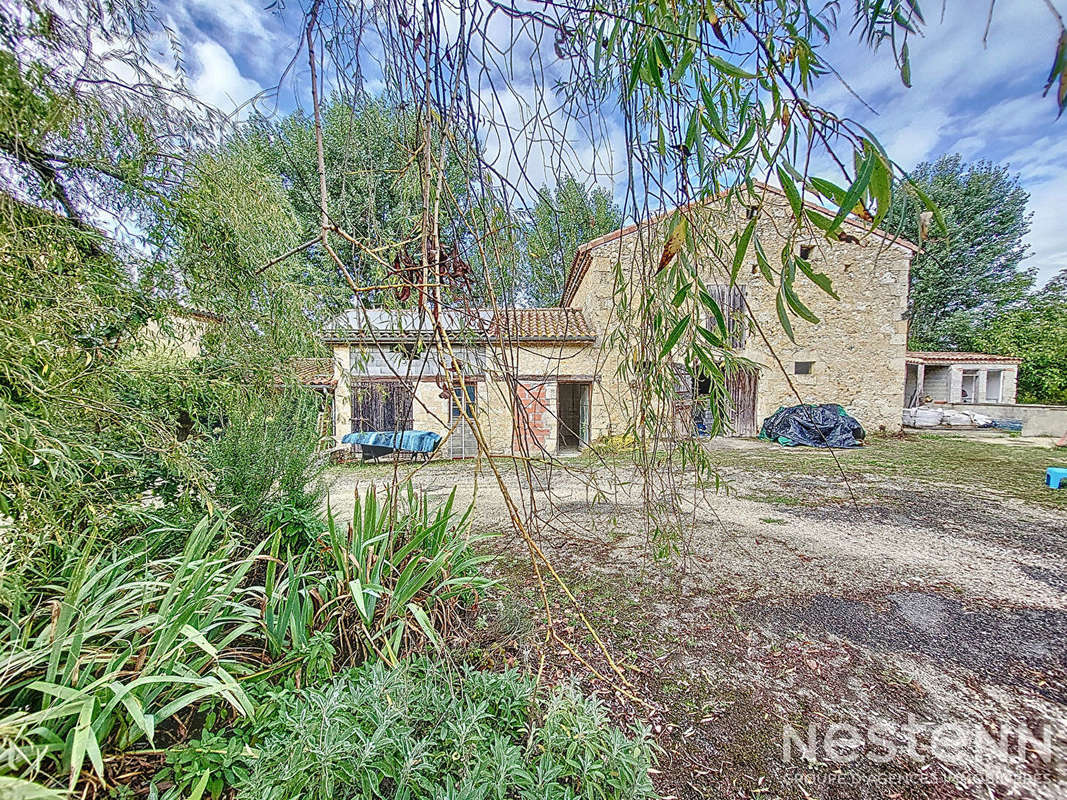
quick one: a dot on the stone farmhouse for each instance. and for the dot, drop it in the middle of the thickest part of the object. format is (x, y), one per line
(544, 380)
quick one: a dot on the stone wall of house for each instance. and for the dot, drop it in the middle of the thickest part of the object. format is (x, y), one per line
(536, 369)
(857, 349)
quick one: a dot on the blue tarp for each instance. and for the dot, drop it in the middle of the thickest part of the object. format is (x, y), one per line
(388, 441)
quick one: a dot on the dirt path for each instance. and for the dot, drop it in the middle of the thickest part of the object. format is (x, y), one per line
(924, 621)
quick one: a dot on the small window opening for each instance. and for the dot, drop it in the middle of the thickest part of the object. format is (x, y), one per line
(702, 384)
(803, 367)
(751, 211)
(463, 400)
(806, 250)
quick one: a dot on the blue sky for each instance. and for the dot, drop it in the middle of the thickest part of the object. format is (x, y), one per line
(980, 101)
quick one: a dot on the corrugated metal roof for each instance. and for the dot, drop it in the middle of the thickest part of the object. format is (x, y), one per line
(941, 357)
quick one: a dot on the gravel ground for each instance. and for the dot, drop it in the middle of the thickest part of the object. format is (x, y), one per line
(904, 605)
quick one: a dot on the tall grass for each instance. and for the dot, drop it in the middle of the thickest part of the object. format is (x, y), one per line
(117, 646)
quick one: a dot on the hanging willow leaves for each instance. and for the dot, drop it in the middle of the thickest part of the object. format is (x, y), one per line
(675, 334)
(791, 193)
(675, 241)
(1059, 70)
(742, 250)
(783, 316)
(855, 192)
(818, 278)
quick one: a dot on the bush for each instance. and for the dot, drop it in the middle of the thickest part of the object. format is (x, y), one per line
(116, 645)
(425, 730)
(266, 456)
(398, 577)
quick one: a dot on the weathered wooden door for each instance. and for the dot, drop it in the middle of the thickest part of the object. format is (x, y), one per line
(741, 387)
(739, 413)
(381, 406)
(462, 444)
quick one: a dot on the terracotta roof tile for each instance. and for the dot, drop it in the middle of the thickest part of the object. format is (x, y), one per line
(541, 324)
(314, 371)
(515, 324)
(948, 356)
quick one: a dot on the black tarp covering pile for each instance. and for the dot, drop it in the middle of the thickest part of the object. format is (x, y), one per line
(815, 426)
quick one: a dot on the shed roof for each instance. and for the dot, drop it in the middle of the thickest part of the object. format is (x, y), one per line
(542, 324)
(315, 372)
(513, 324)
(947, 357)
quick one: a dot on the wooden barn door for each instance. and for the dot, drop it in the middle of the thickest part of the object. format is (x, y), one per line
(741, 387)
(739, 414)
(381, 406)
(740, 383)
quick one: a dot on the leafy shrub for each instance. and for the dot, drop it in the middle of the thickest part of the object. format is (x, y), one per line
(118, 644)
(424, 730)
(399, 576)
(266, 456)
(121, 645)
(205, 766)
(608, 445)
(298, 527)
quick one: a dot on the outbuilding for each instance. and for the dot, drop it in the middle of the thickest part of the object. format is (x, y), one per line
(950, 377)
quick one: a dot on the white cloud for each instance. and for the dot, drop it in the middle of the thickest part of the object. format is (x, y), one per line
(218, 81)
(240, 26)
(983, 102)
(531, 139)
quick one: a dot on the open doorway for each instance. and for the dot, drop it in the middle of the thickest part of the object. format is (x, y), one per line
(573, 415)
(969, 387)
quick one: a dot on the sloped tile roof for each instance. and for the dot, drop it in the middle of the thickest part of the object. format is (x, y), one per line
(541, 324)
(514, 324)
(949, 357)
(314, 371)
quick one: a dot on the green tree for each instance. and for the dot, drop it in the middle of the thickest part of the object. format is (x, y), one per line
(224, 237)
(562, 220)
(970, 271)
(1036, 332)
(374, 191)
(95, 420)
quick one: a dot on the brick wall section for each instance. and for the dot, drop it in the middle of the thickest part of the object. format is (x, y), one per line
(534, 417)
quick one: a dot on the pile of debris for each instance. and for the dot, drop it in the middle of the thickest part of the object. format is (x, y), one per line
(934, 417)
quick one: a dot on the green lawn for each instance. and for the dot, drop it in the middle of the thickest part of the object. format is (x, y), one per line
(1013, 468)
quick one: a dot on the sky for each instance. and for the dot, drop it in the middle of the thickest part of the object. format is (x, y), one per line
(980, 100)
